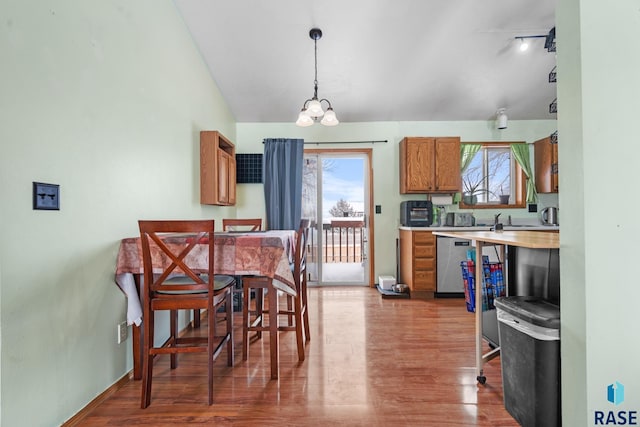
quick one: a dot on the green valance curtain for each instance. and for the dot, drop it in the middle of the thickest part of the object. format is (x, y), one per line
(467, 153)
(521, 154)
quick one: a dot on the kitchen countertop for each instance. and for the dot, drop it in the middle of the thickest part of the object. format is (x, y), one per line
(525, 239)
(519, 227)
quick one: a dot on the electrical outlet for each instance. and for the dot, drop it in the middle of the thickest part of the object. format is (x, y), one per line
(123, 331)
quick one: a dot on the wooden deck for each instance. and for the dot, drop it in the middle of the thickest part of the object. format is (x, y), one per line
(370, 362)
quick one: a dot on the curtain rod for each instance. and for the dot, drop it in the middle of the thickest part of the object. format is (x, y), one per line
(384, 141)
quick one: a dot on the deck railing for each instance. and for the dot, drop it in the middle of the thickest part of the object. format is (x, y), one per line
(342, 241)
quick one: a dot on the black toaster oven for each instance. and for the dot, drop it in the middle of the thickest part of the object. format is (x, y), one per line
(416, 213)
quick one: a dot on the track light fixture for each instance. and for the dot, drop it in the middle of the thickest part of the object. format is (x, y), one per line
(524, 44)
(312, 108)
(501, 118)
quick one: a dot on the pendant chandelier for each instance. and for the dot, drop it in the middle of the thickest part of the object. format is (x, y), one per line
(312, 108)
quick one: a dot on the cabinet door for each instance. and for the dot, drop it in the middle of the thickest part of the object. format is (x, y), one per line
(416, 165)
(447, 170)
(232, 180)
(217, 169)
(406, 258)
(554, 167)
(223, 177)
(208, 167)
(546, 166)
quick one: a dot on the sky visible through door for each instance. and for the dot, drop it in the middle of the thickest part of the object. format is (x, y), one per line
(342, 178)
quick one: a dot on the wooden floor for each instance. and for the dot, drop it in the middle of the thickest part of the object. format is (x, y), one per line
(370, 362)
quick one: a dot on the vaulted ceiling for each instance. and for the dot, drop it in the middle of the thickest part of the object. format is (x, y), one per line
(378, 60)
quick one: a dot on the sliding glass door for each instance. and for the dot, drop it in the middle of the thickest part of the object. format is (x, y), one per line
(336, 196)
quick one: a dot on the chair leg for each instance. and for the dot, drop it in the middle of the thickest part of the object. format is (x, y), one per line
(229, 333)
(299, 327)
(305, 309)
(246, 322)
(196, 318)
(211, 337)
(174, 336)
(260, 292)
(147, 360)
(272, 296)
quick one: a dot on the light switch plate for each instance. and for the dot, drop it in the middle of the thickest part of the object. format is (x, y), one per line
(46, 196)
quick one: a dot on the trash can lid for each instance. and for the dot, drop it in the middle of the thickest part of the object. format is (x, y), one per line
(535, 310)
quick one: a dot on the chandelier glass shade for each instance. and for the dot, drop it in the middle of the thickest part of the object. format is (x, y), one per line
(312, 109)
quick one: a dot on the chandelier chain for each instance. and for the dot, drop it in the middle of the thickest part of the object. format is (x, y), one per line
(315, 80)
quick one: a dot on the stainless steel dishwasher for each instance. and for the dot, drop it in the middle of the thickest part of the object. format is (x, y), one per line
(450, 252)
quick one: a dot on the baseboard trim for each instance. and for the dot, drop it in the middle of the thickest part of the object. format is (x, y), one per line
(73, 421)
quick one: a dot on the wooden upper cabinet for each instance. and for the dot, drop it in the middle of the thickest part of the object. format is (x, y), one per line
(217, 169)
(546, 165)
(430, 165)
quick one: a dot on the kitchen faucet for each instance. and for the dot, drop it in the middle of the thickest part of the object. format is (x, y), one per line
(496, 225)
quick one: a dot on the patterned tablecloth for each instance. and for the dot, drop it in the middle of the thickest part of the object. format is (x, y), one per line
(263, 253)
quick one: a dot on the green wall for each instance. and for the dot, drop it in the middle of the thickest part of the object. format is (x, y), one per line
(598, 105)
(105, 99)
(385, 164)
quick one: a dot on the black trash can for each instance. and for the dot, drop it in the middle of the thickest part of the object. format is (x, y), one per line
(529, 330)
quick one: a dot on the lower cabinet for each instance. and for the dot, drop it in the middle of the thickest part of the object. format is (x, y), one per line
(418, 261)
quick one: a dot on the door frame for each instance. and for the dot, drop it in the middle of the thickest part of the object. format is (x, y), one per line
(368, 152)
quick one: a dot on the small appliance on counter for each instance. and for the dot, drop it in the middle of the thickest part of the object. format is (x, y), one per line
(416, 213)
(549, 216)
(460, 219)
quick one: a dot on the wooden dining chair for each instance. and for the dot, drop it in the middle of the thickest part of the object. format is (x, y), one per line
(300, 274)
(296, 311)
(234, 224)
(242, 224)
(181, 286)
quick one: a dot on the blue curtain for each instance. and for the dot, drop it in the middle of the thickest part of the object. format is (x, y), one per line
(282, 178)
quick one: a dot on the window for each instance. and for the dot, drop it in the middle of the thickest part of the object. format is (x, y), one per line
(493, 178)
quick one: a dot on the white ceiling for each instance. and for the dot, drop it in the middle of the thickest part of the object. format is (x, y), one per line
(378, 60)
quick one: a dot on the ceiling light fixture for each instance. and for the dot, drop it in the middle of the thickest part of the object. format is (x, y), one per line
(501, 118)
(524, 44)
(312, 108)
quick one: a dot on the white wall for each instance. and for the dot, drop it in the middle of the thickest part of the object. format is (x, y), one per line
(105, 99)
(385, 164)
(598, 105)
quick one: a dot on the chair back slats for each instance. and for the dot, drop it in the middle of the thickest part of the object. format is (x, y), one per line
(242, 224)
(153, 237)
(300, 263)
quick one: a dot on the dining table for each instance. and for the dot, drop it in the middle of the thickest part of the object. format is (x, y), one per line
(256, 253)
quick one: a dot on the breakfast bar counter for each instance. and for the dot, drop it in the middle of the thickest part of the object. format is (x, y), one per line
(523, 239)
